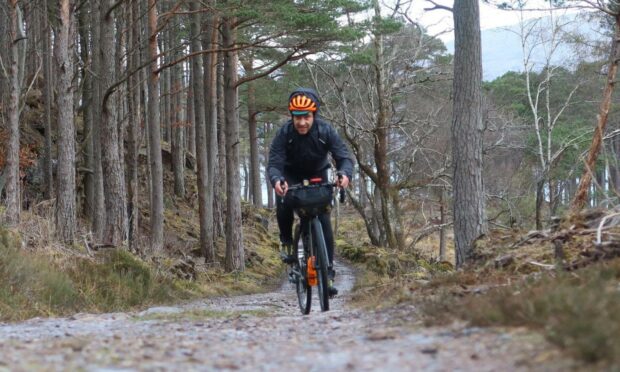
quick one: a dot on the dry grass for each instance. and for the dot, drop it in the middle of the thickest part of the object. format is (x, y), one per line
(41, 277)
(45, 284)
(386, 277)
(577, 311)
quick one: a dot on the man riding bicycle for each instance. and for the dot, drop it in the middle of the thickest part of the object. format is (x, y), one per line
(299, 152)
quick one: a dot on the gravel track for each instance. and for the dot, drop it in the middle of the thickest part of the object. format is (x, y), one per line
(265, 332)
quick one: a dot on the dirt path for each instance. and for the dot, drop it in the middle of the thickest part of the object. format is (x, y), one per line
(263, 332)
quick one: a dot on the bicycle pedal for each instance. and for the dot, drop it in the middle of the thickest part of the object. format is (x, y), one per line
(294, 275)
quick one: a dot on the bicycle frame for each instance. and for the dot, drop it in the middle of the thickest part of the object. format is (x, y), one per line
(309, 231)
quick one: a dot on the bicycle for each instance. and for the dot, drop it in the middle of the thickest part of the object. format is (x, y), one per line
(309, 200)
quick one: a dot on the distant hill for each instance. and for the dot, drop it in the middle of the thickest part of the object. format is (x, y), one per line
(502, 51)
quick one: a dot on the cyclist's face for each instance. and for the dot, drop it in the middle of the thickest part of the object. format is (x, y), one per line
(303, 123)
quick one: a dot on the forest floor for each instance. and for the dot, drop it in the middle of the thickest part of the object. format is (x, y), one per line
(267, 332)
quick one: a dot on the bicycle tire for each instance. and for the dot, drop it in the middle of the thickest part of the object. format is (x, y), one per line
(304, 291)
(323, 263)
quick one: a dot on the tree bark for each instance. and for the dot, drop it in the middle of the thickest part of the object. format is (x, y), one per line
(113, 185)
(270, 192)
(381, 137)
(201, 135)
(154, 136)
(246, 179)
(442, 221)
(615, 166)
(599, 131)
(256, 189)
(165, 86)
(467, 128)
(48, 98)
(211, 112)
(235, 260)
(85, 206)
(33, 28)
(134, 113)
(177, 127)
(220, 187)
(99, 211)
(65, 195)
(13, 204)
(191, 129)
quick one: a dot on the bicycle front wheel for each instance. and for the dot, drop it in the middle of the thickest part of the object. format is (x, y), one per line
(322, 263)
(304, 291)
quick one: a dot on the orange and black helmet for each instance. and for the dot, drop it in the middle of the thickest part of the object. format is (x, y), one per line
(301, 103)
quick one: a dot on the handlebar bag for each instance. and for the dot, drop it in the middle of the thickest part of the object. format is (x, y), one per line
(309, 197)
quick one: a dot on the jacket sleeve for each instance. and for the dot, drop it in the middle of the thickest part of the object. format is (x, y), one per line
(277, 156)
(340, 152)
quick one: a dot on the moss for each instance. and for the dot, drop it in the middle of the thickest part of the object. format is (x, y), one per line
(202, 314)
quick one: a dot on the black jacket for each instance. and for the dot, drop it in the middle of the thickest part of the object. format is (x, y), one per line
(301, 156)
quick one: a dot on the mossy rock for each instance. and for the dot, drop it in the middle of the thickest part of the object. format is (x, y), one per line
(393, 265)
(376, 263)
(352, 253)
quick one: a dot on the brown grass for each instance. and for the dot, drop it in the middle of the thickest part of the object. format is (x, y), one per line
(41, 277)
(579, 312)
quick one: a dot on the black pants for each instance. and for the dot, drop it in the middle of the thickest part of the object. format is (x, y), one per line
(285, 216)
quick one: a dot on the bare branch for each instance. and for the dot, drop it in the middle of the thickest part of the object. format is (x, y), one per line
(437, 6)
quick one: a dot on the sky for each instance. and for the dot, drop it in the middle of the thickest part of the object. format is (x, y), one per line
(439, 22)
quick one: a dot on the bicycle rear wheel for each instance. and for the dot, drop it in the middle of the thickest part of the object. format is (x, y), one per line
(304, 291)
(322, 263)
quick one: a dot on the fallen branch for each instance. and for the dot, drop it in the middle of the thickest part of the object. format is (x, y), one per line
(544, 266)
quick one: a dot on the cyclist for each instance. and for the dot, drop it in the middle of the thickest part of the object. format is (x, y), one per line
(299, 151)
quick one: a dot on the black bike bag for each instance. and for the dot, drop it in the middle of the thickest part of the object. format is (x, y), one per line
(312, 199)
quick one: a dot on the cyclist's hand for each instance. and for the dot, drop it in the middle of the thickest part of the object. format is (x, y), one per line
(343, 181)
(281, 188)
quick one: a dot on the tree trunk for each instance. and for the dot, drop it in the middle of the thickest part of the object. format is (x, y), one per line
(133, 108)
(599, 189)
(154, 137)
(615, 166)
(178, 148)
(442, 221)
(220, 187)
(599, 131)
(165, 85)
(34, 27)
(191, 125)
(540, 198)
(13, 204)
(99, 211)
(22, 46)
(377, 218)
(113, 185)
(381, 136)
(361, 188)
(211, 112)
(467, 128)
(270, 192)
(201, 135)
(256, 189)
(85, 201)
(48, 98)
(65, 195)
(246, 179)
(235, 260)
